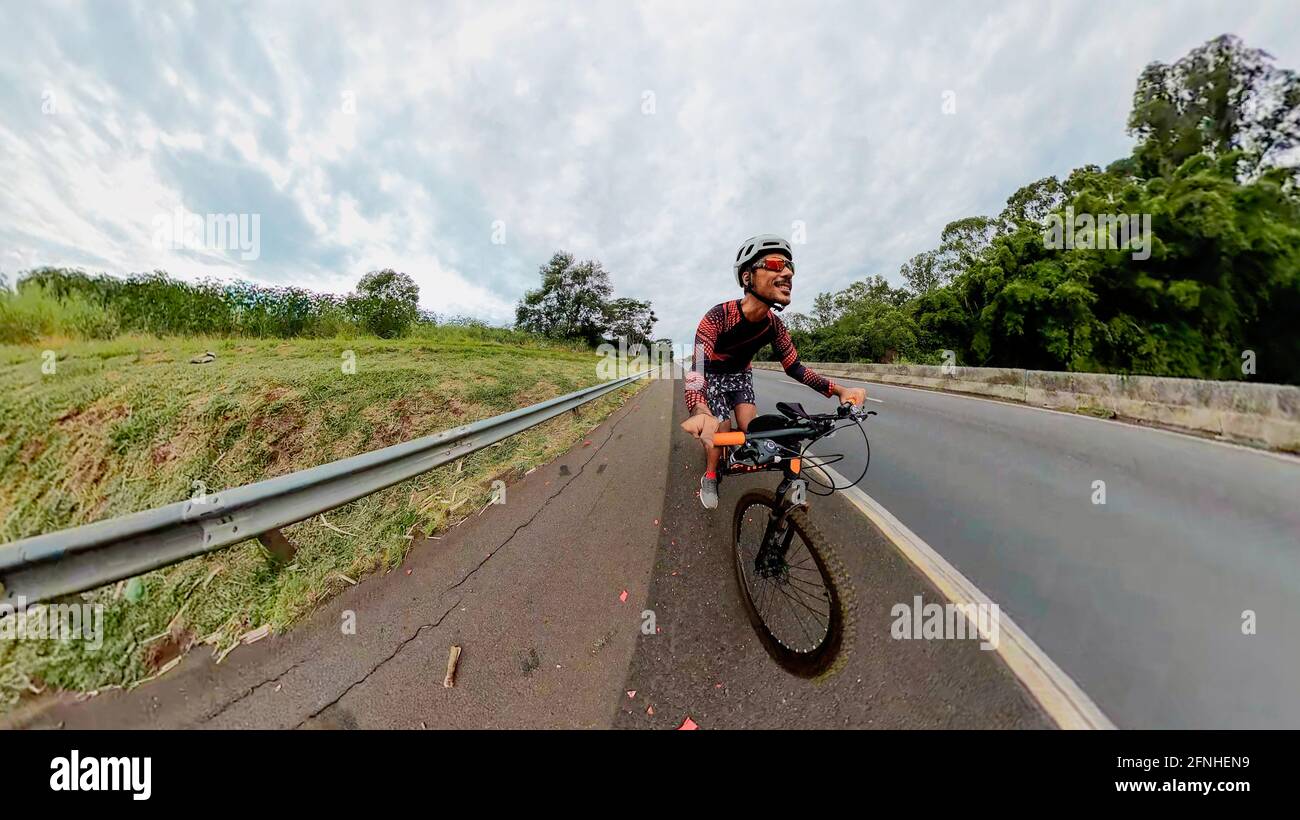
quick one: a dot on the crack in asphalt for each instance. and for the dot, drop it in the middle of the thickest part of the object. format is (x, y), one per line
(467, 576)
(396, 651)
(210, 716)
(543, 505)
(376, 667)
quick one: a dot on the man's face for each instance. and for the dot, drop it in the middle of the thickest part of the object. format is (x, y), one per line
(774, 285)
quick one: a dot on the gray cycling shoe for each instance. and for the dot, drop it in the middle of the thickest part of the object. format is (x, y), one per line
(709, 492)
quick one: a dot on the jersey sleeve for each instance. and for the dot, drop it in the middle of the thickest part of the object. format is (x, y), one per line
(706, 336)
(784, 348)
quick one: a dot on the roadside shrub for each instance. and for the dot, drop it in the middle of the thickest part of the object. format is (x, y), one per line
(34, 311)
(386, 303)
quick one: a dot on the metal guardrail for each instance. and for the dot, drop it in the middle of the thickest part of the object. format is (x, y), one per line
(83, 558)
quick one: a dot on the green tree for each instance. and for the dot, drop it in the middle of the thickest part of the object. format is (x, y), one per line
(630, 320)
(572, 302)
(1220, 97)
(1031, 203)
(866, 320)
(386, 303)
(921, 273)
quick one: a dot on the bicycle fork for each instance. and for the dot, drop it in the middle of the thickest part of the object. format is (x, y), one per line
(770, 559)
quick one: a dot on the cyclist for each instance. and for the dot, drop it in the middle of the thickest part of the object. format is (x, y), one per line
(721, 379)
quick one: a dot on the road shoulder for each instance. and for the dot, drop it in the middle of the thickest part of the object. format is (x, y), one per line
(541, 593)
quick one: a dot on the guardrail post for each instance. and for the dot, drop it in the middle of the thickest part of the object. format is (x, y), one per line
(280, 548)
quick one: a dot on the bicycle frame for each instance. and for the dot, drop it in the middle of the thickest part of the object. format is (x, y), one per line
(777, 536)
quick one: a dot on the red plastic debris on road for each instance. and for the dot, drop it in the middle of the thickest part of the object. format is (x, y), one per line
(688, 725)
(631, 693)
(622, 596)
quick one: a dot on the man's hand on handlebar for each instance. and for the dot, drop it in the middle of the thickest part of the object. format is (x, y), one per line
(851, 395)
(702, 425)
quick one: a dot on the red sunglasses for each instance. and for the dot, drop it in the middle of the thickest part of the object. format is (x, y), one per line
(775, 263)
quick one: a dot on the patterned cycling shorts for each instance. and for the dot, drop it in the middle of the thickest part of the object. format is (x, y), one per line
(726, 390)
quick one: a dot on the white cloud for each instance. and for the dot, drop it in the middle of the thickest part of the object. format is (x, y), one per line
(470, 113)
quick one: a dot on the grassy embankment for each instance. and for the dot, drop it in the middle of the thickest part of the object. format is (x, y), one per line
(128, 424)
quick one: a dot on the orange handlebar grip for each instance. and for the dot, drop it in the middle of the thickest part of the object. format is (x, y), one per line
(728, 439)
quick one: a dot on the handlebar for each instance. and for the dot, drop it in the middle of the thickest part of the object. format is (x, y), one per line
(846, 410)
(785, 448)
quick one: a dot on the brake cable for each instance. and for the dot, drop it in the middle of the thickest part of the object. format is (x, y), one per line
(837, 458)
(834, 458)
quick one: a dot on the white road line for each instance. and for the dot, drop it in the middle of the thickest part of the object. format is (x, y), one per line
(877, 401)
(1056, 692)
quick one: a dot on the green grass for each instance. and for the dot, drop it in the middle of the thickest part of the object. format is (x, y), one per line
(130, 424)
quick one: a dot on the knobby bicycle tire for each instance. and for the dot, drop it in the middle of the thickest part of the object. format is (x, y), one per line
(827, 657)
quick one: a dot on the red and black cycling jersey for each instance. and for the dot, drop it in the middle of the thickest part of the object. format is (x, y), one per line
(725, 342)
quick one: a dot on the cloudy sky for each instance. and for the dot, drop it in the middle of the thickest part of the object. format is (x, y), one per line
(652, 136)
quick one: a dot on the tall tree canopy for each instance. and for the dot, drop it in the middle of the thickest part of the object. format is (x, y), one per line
(574, 302)
(630, 320)
(1220, 97)
(1214, 172)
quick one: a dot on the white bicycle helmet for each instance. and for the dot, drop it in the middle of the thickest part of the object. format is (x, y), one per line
(756, 247)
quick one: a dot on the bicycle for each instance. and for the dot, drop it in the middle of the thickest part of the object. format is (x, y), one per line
(813, 630)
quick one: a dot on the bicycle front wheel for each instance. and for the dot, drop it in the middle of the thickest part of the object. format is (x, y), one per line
(801, 603)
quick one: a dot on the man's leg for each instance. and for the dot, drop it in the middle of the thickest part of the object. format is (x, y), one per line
(709, 481)
(722, 402)
(713, 454)
(745, 413)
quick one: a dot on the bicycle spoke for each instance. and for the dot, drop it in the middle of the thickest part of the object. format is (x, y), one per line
(812, 570)
(803, 565)
(801, 603)
(800, 621)
(807, 555)
(765, 597)
(815, 590)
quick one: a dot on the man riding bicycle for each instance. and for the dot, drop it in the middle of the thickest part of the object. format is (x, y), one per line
(721, 379)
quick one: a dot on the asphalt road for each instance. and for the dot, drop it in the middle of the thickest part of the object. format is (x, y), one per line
(1142, 599)
(708, 665)
(547, 596)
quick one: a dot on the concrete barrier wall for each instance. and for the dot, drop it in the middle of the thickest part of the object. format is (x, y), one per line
(1265, 415)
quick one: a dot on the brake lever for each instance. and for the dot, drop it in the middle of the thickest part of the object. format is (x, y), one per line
(849, 410)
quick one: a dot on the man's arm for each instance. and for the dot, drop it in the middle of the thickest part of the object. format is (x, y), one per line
(696, 383)
(783, 345)
(701, 423)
